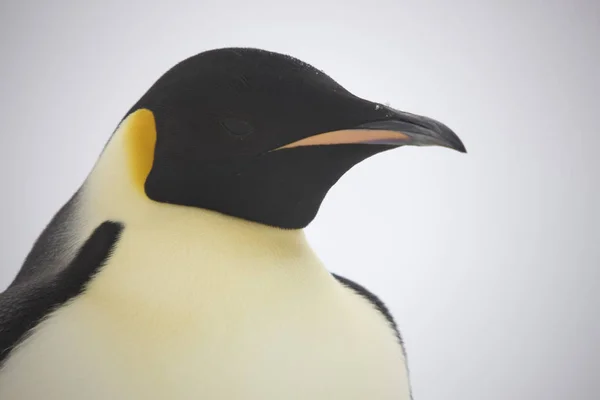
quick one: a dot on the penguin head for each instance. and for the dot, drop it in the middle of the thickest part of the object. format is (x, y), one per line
(262, 136)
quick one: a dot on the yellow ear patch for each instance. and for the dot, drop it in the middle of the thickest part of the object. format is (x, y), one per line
(140, 142)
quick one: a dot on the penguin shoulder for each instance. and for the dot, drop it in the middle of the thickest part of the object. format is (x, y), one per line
(27, 302)
(375, 301)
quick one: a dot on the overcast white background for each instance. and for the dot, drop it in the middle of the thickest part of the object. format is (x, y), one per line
(489, 260)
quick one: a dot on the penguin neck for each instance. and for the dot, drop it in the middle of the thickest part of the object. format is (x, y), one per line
(186, 257)
(114, 191)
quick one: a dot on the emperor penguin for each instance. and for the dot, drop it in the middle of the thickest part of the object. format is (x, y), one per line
(180, 269)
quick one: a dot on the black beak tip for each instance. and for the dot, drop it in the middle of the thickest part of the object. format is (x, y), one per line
(459, 146)
(448, 136)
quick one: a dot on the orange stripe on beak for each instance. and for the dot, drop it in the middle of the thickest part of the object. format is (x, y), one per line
(350, 136)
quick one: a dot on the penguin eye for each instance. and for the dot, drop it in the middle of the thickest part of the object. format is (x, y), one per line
(237, 127)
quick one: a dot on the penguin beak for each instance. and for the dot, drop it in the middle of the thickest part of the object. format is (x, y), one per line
(398, 129)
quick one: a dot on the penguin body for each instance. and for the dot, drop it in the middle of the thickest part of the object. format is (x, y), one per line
(168, 276)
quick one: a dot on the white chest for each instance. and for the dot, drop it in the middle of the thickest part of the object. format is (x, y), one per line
(179, 321)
